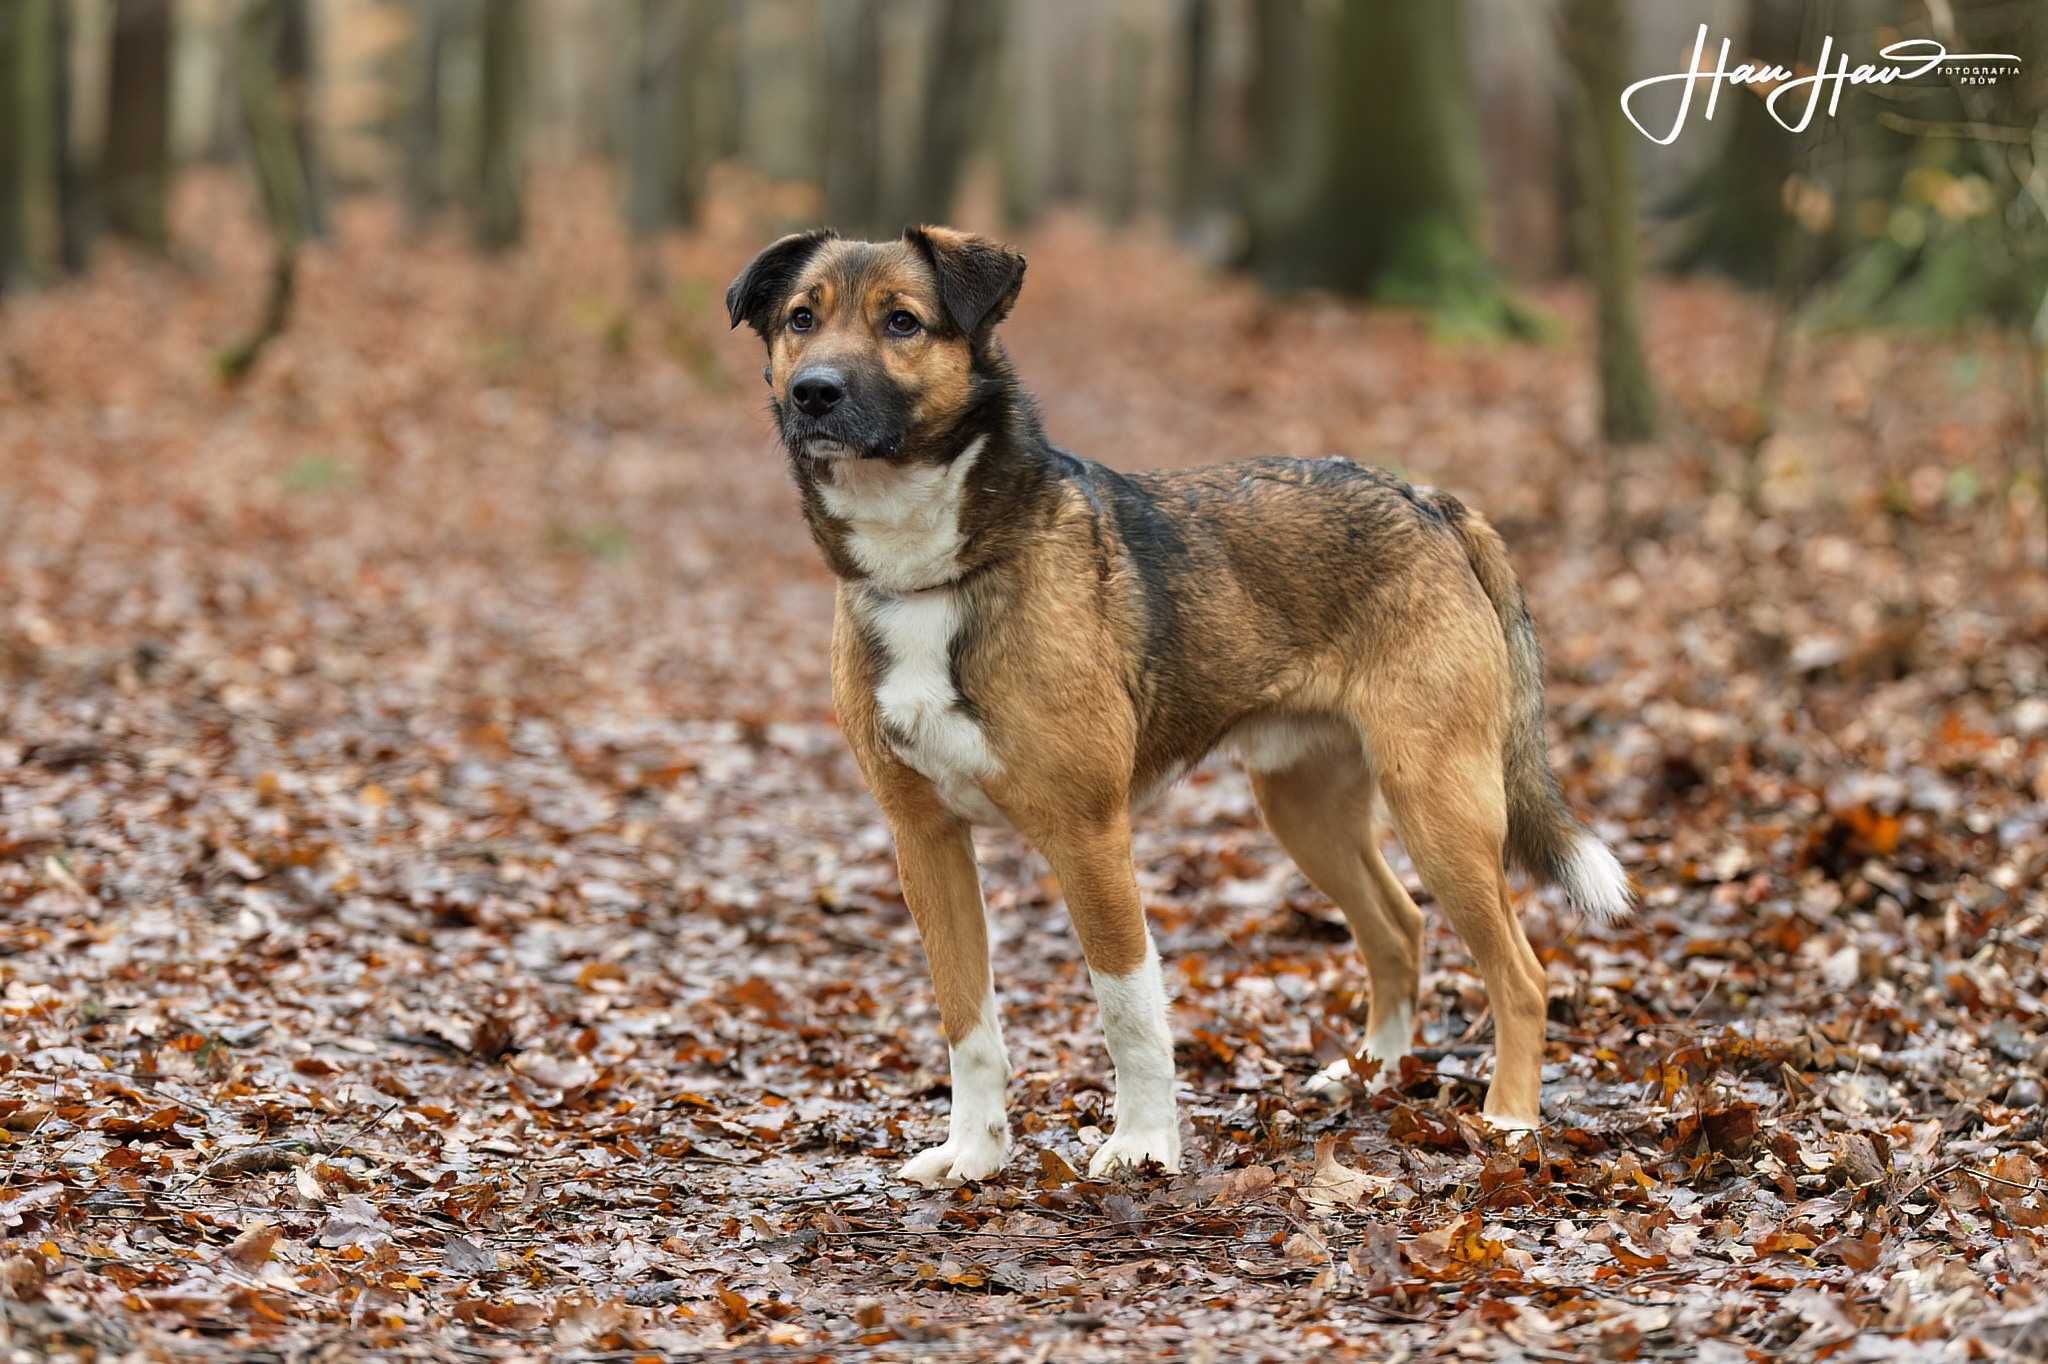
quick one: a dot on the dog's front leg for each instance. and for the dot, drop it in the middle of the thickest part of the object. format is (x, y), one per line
(1094, 871)
(935, 859)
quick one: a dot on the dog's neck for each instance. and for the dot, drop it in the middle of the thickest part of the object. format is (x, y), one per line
(904, 526)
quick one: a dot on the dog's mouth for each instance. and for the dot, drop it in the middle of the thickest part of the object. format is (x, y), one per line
(859, 434)
(825, 449)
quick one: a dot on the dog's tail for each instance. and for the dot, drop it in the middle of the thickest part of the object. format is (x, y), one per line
(1544, 840)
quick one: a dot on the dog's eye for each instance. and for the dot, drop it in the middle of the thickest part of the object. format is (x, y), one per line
(901, 323)
(801, 320)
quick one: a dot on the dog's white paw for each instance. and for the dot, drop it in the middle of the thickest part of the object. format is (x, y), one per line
(1508, 1122)
(1337, 1083)
(1130, 1148)
(959, 1160)
(1331, 1084)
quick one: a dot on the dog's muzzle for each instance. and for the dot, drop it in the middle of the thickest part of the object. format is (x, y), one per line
(835, 411)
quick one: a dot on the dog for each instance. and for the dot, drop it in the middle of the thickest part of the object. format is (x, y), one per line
(1026, 637)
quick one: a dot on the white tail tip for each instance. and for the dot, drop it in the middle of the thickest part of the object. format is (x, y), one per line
(1595, 883)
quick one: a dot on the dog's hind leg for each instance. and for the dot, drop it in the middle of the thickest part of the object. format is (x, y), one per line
(1093, 865)
(935, 859)
(1321, 810)
(1449, 807)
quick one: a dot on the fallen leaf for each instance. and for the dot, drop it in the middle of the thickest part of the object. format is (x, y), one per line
(254, 1246)
(1335, 1185)
(354, 1223)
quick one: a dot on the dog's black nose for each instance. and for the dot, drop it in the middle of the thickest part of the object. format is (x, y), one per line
(817, 391)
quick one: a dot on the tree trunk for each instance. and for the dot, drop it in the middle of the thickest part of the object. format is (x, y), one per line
(721, 85)
(651, 161)
(1072, 131)
(853, 117)
(137, 167)
(1286, 149)
(703, 102)
(421, 138)
(1396, 212)
(281, 178)
(955, 95)
(1400, 202)
(18, 29)
(1195, 148)
(1737, 201)
(1119, 158)
(1596, 41)
(74, 213)
(500, 210)
(297, 72)
(28, 160)
(1022, 143)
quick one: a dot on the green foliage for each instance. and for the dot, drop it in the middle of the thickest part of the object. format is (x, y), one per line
(499, 355)
(1945, 254)
(1438, 268)
(605, 541)
(313, 474)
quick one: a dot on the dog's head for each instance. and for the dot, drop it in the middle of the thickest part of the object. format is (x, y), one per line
(877, 350)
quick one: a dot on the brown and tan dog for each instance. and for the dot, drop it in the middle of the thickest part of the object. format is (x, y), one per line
(1027, 637)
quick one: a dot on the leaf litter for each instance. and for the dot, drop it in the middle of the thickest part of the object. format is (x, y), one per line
(440, 911)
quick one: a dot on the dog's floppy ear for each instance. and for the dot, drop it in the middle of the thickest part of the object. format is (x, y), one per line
(759, 289)
(978, 278)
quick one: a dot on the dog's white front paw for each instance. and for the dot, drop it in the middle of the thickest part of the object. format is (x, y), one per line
(959, 1159)
(1129, 1148)
(1513, 1122)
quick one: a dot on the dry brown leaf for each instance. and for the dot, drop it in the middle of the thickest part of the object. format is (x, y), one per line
(254, 1246)
(1334, 1185)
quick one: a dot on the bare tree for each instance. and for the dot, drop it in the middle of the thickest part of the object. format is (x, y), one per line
(136, 169)
(297, 73)
(501, 84)
(1022, 144)
(651, 122)
(1738, 225)
(280, 176)
(1285, 132)
(704, 113)
(74, 212)
(1195, 149)
(421, 132)
(956, 85)
(1396, 209)
(27, 180)
(1596, 41)
(1119, 157)
(853, 116)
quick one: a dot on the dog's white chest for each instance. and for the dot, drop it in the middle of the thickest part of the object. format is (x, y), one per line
(902, 524)
(903, 530)
(924, 718)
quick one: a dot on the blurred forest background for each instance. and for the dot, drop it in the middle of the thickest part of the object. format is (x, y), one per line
(1422, 155)
(439, 916)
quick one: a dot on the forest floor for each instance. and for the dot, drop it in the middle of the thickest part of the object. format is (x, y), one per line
(441, 920)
